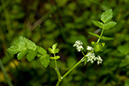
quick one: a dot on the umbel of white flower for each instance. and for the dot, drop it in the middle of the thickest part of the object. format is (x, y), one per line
(78, 44)
(90, 55)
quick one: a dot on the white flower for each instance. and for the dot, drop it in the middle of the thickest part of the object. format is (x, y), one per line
(91, 57)
(78, 44)
(99, 60)
(90, 48)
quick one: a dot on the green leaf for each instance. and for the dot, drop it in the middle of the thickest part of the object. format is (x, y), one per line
(21, 54)
(93, 34)
(109, 25)
(31, 55)
(107, 16)
(41, 50)
(97, 47)
(56, 57)
(13, 50)
(29, 44)
(106, 38)
(51, 50)
(103, 37)
(45, 60)
(54, 46)
(98, 23)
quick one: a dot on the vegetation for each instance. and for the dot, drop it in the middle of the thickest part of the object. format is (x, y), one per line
(30, 28)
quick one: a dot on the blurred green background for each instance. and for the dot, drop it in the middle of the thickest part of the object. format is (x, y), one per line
(64, 21)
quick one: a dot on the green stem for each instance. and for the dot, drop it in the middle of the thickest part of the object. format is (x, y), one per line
(100, 35)
(5, 74)
(73, 67)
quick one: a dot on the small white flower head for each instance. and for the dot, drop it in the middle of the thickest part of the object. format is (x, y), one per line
(78, 44)
(91, 57)
(99, 60)
(90, 48)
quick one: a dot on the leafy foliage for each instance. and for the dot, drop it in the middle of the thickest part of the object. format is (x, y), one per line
(24, 46)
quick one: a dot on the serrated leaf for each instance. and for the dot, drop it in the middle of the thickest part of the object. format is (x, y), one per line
(44, 60)
(109, 25)
(56, 57)
(106, 38)
(41, 50)
(29, 44)
(107, 16)
(98, 23)
(31, 55)
(21, 54)
(93, 34)
(13, 50)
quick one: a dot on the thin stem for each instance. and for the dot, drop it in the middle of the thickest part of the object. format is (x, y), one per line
(100, 35)
(73, 67)
(5, 74)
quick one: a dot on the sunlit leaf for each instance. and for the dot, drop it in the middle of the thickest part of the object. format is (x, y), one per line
(45, 60)
(107, 16)
(21, 54)
(56, 57)
(41, 50)
(109, 25)
(98, 23)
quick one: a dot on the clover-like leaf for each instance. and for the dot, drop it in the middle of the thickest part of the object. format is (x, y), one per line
(109, 25)
(107, 16)
(44, 60)
(98, 23)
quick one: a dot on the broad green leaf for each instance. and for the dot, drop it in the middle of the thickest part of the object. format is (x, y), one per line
(107, 16)
(31, 55)
(56, 57)
(98, 23)
(21, 54)
(109, 25)
(45, 60)
(93, 34)
(29, 44)
(41, 50)
(106, 38)
(13, 50)
(124, 49)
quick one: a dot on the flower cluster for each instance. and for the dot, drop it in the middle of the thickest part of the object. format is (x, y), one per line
(78, 44)
(91, 56)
